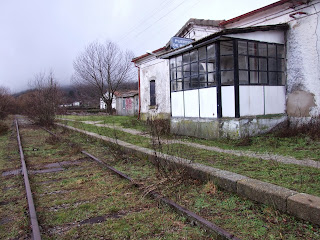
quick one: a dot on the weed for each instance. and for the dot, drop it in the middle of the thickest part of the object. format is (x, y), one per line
(3, 128)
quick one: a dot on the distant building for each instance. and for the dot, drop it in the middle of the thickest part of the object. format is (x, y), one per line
(127, 103)
(103, 105)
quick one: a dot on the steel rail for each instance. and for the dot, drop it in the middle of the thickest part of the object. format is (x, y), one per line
(219, 232)
(32, 211)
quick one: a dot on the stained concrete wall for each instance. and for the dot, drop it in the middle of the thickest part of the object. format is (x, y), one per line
(224, 127)
(302, 52)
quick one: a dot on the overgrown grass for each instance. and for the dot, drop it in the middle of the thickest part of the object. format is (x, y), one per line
(121, 121)
(295, 177)
(65, 199)
(14, 222)
(300, 147)
(244, 218)
(112, 133)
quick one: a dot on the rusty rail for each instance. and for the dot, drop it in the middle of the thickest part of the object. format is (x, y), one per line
(32, 211)
(219, 233)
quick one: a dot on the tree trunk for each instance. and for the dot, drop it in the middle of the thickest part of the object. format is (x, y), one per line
(109, 107)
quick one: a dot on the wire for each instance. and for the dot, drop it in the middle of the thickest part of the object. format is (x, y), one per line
(160, 18)
(157, 9)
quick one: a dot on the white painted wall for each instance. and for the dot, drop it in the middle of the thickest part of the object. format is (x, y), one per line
(158, 70)
(251, 100)
(177, 104)
(191, 103)
(208, 102)
(264, 36)
(227, 100)
(275, 99)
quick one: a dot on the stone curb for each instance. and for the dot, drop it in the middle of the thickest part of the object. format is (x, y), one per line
(304, 206)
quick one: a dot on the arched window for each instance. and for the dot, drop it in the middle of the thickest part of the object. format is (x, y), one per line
(152, 93)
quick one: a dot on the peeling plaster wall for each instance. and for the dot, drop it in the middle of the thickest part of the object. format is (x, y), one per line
(157, 70)
(302, 53)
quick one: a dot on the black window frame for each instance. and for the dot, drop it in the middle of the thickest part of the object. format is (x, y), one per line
(184, 83)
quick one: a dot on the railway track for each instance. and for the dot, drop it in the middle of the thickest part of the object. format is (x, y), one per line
(71, 197)
(78, 195)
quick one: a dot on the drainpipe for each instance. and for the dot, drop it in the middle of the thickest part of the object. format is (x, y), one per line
(139, 90)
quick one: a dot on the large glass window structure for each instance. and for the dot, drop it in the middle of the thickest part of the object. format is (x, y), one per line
(251, 62)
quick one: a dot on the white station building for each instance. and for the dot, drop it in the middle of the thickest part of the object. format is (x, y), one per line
(236, 77)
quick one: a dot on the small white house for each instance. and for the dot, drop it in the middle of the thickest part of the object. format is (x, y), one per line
(103, 105)
(241, 77)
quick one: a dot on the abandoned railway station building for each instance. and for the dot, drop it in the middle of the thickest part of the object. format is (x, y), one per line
(236, 77)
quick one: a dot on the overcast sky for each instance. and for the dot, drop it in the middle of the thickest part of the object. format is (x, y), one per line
(43, 35)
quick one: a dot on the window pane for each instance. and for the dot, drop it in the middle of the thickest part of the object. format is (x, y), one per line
(263, 49)
(280, 63)
(202, 67)
(186, 70)
(263, 78)
(194, 56)
(211, 65)
(202, 53)
(243, 77)
(173, 74)
(253, 63)
(242, 48)
(179, 72)
(179, 60)
(211, 79)
(272, 64)
(186, 83)
(253, 48)
(226, 77)
(271, 50)
(226, 62)
(273, 78)
(226, 48)
(194, 68)
(194, 82)
(253, 77)
(211, 51)
(173, 86)
(173, 62)
(243, 62)
(179, 85)
(185, 58)
(152, 93)
(263, 64)
(281, 78)
(203, 80)
(280, 51)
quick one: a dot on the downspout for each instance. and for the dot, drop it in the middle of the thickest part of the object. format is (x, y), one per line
(139, 90)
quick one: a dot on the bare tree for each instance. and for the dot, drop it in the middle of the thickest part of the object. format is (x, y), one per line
(104, 66)
(7, 103)
(42, 103)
